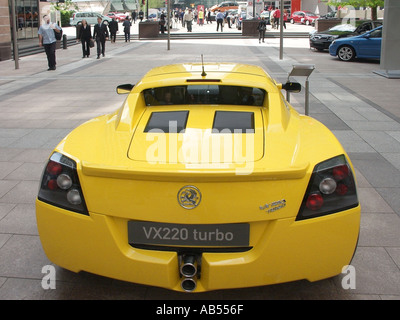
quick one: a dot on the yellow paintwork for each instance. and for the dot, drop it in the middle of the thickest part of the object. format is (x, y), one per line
(121, 182)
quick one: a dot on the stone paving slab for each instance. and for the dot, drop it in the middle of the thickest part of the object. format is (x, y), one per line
(38, 108)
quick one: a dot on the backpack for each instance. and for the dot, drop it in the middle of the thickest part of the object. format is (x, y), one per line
(58, 35)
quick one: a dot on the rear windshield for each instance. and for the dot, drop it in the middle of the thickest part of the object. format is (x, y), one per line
(204, 94)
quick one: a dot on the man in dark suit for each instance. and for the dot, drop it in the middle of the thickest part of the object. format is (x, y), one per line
(100, 33)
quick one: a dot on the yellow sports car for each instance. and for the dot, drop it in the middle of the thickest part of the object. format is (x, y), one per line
(206, 178)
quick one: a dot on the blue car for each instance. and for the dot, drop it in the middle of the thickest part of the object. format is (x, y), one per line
(367, 45)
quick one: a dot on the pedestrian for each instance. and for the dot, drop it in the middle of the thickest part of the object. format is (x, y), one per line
(262, 26)
(201, 17)
(100, 34)
(181, 15)
(113, 27)
(188, 18)
(209, 16)
(141, 15)
(134, 16)
(162, 22)
(277, 16)
(228, 19)
(84, 36)
(47, 39)
(285, 17)
(127, 29)
(220, 19)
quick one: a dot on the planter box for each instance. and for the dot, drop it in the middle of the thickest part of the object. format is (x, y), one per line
(249, 27)
(149, 29)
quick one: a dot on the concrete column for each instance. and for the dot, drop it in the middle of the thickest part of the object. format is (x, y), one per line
(390, 62)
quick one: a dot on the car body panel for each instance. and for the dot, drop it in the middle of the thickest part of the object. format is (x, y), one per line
(263, 192)
(367, 45)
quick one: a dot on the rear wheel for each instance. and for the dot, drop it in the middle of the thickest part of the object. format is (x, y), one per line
(346, 53)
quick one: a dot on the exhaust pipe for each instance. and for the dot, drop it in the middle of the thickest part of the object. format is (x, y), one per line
(188, 267)
(188, 284)
(189, 271)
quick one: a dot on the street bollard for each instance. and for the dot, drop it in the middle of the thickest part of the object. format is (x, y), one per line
(64, 41)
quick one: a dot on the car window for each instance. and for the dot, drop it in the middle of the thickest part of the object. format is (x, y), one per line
(376, 34)
(204, 94)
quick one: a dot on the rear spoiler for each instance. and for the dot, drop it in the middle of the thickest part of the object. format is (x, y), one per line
(194, 173)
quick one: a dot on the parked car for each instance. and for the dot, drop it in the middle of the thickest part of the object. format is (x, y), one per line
(367, 45)
(223, 6)
(206, 178)
(90, 17)
(304, 17)
(329, 15)
(120, 17)
(322, 40)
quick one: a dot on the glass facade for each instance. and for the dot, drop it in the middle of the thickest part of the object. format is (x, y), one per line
(27, 13)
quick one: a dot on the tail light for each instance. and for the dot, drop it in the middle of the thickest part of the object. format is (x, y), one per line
(331, 189)
(60, 184)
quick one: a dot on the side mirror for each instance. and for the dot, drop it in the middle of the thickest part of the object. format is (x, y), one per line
(125, 88)
(292, 87)
(367, 35)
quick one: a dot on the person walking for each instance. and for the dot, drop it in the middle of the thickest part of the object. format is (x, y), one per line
(285, 17)
(228, 19)
(113, 27)
(141, 15)
(162, 22)
(47, 39)
(262, 26)
(188, 18)
(127, 29)
(100, 34)
(277, 16)
(134, 16)
(220, 19)
(201, 17)
(84, 36)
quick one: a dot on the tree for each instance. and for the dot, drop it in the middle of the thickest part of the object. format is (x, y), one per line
(65, 10)
(373, 4)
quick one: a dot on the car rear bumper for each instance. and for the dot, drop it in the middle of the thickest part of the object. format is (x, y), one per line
(286, 250)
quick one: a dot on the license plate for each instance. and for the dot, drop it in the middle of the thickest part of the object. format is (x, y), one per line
(171, 234)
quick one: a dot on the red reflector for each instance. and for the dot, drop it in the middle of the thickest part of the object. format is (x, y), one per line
(314, 201)
(340, 172)
(52, 184)
(342, 189)
(54, 168)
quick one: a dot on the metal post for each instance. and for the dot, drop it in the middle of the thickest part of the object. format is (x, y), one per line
(281, 32)
(167, 23)
(64, 39)
(307, 97)
(14, 35)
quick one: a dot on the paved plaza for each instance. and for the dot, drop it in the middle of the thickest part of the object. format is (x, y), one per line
(39, 107)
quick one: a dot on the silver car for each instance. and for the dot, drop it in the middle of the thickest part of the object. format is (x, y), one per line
(90, 17)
